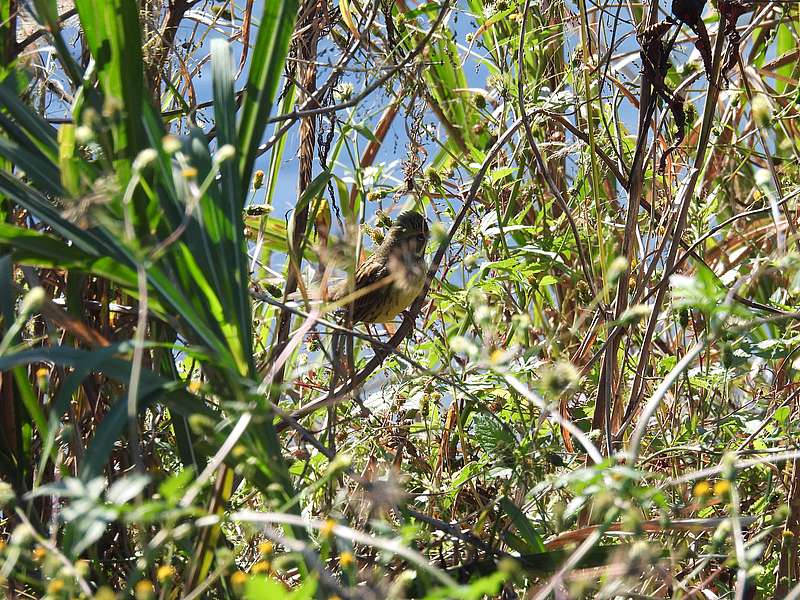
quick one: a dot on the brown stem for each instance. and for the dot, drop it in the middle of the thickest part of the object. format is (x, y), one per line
(686, 196)
(164, 43)
(307, 50)
(789, 563)
(605, 393)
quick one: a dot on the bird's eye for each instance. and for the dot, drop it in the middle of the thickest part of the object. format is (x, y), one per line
(421, 238)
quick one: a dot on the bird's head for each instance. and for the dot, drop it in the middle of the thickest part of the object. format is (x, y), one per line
(408, 235)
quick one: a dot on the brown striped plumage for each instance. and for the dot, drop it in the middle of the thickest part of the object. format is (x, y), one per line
(392, 277)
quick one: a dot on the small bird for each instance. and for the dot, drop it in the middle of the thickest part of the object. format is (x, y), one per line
(392, 277)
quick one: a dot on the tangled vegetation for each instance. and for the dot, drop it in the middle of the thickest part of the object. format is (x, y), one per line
(593, 397)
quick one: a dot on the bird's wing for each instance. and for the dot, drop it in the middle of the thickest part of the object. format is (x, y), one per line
(368, 274)
(371, 271)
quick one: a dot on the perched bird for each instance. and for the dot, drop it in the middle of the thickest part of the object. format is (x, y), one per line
(392, 277)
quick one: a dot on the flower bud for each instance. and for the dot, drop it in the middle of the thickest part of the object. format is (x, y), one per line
(144, 158)
(258, 180)
(761, 109)
(84, 134)
(226, 152)
(171, 144)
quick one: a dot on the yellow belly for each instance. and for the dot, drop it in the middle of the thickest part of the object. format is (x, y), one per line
(403, 294)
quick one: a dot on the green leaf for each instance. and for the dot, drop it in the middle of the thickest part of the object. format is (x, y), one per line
(39, 131)
(233, 255)
(174, 486)
(266, 68)
(69, 164)
(125, 489)
(31, 247)
(38, 168)
(524, 526)
(92, 241)
(276, 156)
(30, 401)
(152, 389)
(547, 280)
(35, 248)
(491, 436)
(260, 587)
(365, 131)
(498, 174)
(112, 31)
(477, 589)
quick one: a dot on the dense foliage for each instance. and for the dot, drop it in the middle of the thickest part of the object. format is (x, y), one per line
(594, 397)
